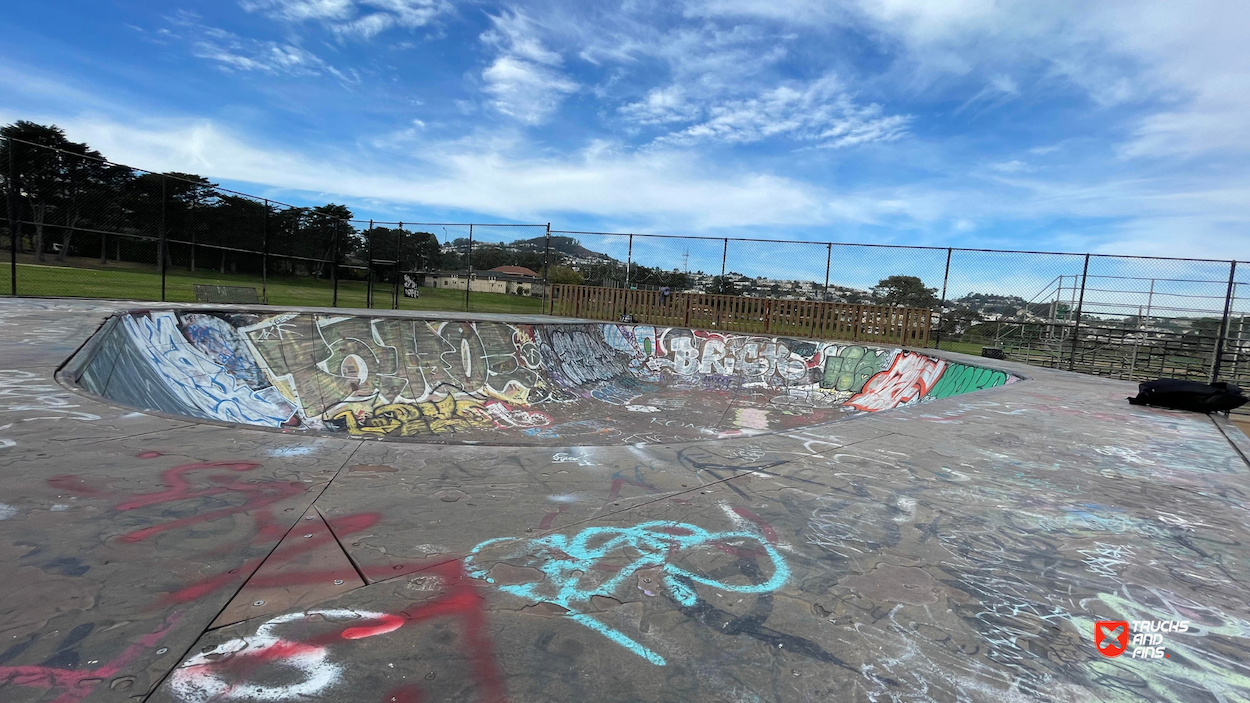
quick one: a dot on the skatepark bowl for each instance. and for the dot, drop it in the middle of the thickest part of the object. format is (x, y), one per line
(258, 504)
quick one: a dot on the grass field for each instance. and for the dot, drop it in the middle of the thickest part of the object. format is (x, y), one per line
(973, 348)
(145, 284)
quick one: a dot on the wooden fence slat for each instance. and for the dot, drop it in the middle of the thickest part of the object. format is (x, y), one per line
(799, 318)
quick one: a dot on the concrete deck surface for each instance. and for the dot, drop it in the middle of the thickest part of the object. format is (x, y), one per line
(955, 550)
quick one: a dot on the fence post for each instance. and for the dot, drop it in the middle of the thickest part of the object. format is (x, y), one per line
(369, 270)
(264, 255)
(1224, 324)
(468, 283)
(1076, 329)
(334, 265)
(399, 267)
(937, 336)
(629, 262)
(547, 271)
(828, 260)
(14, 228)
(160, 253)
(723, 256)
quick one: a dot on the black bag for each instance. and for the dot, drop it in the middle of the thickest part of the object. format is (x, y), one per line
(1190, 395)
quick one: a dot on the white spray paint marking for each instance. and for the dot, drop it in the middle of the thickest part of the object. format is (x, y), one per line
(741, 524)
(908, 506)
(26, 392)
(566, 458)
(199, 680)
(7, 511)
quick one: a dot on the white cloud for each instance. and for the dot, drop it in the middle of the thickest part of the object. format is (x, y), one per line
(232, 52)
(301, 10)
(1013, 166)
(268, 57)
(1182, 67)
(524, 80)
(353, 18)
(493, 177)
(820, 113)
(661, 105)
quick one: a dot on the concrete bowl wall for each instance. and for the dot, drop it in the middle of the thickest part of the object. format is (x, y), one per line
(440, 380)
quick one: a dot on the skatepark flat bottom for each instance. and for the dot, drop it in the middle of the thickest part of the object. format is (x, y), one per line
(220, 505)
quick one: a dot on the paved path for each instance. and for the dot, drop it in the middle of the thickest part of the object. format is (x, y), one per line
(956, 549)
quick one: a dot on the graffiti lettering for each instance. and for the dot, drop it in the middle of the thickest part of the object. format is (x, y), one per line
(907, 380)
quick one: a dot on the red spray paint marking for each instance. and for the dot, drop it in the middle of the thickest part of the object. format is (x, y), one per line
(180, 488)
(260, 495)
(243, 665)
(769, 533)
(619, 481)
(342, 526)
(404, 694)
(459, 599)
(73, 484)
(72, 680)
(549, 518)
(389, 623)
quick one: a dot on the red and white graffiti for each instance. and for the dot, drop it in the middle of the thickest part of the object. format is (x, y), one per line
(223, 672)
(908, 379)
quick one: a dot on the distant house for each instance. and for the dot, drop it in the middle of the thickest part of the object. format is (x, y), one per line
(509, 280)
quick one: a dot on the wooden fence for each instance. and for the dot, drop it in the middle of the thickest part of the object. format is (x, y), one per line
(790, 318)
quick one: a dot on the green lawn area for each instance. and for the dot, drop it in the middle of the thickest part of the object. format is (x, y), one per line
(973, 348)
(145, 284)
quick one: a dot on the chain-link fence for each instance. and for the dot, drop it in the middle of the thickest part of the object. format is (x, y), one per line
(1133, 318)
(77, 225)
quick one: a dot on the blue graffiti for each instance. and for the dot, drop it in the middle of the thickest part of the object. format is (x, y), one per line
(568, 564)
(201, 383)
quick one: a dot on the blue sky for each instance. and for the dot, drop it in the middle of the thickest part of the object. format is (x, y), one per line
(1061, 126)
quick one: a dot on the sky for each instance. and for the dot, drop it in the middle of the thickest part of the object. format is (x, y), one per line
(1109, 127)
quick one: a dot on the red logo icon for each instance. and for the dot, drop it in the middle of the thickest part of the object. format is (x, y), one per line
(1111, 637)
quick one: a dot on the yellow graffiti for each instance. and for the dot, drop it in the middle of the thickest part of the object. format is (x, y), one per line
(450, 414)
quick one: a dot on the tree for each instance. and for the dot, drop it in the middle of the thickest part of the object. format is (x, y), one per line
(723, 285)
(419, 251)
(422, 251)
(674, 279)
(904, 291)
(566, 275)
(188, 202)
(44, 176)
(330, 225)
(959, 321)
